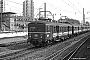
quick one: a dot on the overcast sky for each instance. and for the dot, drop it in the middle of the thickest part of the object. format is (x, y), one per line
(70, 8)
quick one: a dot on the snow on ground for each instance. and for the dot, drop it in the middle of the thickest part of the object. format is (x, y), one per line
(13, 34)
(3, 35)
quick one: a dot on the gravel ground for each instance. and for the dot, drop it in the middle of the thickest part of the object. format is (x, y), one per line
(20, 46)
(8, 40)
(2, 49)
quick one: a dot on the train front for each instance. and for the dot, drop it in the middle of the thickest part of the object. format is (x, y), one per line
(36, 33)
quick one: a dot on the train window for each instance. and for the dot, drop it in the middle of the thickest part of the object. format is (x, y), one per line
(48, 28)
(64, 29)
(51, 28)
(54, 29)
(70, 28)
(60, 29)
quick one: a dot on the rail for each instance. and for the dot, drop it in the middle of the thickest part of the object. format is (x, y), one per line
(58, 53)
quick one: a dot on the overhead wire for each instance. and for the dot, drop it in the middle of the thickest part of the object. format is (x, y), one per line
(13, 6)
(88, 12)
(70, 5)
(22, 4)
(38, 10)
(58, 8)
(15, 2)
(75, 6)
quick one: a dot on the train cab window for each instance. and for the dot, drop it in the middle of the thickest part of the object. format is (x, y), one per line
(31, 28)
(35, 29)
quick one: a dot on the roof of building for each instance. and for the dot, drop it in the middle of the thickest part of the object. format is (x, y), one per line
(8, 13)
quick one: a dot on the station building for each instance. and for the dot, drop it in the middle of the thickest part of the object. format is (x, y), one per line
(10, 22)
(7, 21)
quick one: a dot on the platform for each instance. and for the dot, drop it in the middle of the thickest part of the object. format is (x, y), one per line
(13, 34)
(12, 37)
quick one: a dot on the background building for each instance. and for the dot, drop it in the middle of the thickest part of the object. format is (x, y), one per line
(20, 24)
(28, 10)
(1, 10)
(1, 6)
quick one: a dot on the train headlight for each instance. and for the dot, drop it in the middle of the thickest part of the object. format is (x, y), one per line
(29, 35)
(47, 35)
(41, 36)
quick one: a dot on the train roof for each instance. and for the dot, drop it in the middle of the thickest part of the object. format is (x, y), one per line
(76, 25)
(52, 23)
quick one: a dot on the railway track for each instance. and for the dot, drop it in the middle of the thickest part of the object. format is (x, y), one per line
(72, 53)
(26, 51)
(55, 56)
(21, 53)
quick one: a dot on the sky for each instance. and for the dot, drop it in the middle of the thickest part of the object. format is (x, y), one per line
(71, 8)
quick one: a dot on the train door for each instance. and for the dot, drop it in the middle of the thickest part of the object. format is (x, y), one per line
(68, 28)
(78, 29)
(57, 31)
(72, 30)
(51, 30)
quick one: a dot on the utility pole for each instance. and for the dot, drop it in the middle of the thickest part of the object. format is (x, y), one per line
(39, 12)
(53, 16)
(4, 5)
(83, 17)
(1, 13)
(45, 10)
(32, 10)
